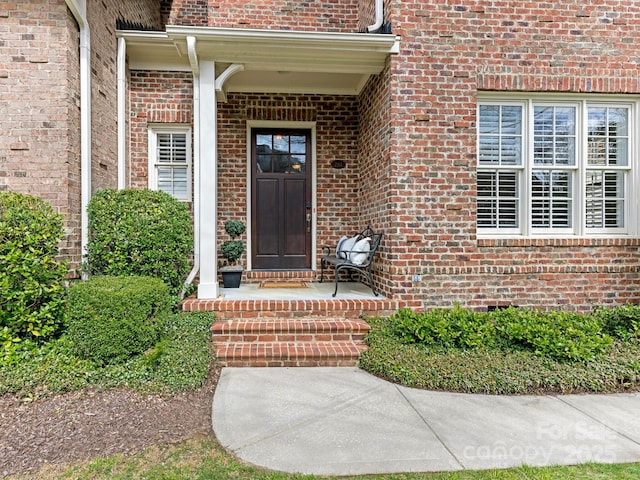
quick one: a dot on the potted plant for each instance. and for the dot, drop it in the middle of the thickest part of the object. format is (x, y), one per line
(232, 250)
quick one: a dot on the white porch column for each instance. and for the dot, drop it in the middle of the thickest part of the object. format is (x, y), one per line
(208, 287)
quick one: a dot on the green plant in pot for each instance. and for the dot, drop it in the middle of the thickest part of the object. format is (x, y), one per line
(232, 251)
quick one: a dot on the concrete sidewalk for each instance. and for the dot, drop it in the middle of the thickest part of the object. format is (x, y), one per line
(343, 421)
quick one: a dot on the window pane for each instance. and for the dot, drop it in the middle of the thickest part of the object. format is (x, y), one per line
(298, 144)
(172, 148)
(608, 136)
(281, 153)
(173, 180)
(605, 199)
(489, 150)
(552, 201)
(511, 121)
(500, 139)
(489, 121)
(497, 199)
(554, 136)
(281, 143)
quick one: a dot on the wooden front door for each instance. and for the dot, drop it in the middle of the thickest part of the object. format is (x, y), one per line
(281, 199)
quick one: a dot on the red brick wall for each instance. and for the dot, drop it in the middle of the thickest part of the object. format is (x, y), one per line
(336, 133)
(449, 53)
(154, 98)
(409, 142)
(313, 15)
(39, 88)
(378, 202)
(40, 98)
(104, 48)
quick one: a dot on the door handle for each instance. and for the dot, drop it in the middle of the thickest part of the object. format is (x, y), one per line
(308, 222)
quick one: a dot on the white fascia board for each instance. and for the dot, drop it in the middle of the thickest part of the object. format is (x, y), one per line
(349, 57)
(279, 50)
(153, 51)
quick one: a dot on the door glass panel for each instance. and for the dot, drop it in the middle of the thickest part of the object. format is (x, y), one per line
(281, 153)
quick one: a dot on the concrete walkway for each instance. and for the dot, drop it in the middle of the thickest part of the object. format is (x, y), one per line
(343, 421)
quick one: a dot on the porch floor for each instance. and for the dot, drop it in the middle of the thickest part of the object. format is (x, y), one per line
(312, 291)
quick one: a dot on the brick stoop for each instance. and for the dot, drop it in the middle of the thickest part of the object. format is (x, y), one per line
(289, 343)
(290, 333)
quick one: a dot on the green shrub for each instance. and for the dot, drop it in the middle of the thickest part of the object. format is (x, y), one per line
(622, 321)
(139, 232)
(178, 361)
(455, 327)
(495, 370)
(31, 279)
(113, 318)
(558, 335)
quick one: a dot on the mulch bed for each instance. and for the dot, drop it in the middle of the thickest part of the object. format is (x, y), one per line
(81, 425)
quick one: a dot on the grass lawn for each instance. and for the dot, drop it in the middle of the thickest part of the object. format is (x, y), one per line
(202, 459)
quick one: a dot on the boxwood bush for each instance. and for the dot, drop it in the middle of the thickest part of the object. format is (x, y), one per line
(31, 277)
(622, 321)
(454, 327)
(558, 335)
(562, 336)
(110, 319)
(139, 232)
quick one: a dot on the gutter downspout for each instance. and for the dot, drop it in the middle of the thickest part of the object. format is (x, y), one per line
(193, 60)
(379, 17)
(122, 88)
(79, 10)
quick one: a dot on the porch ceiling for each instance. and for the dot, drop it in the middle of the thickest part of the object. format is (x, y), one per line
(274, 61)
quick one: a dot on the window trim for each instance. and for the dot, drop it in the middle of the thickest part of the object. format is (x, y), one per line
(153, 131)
(631, 210)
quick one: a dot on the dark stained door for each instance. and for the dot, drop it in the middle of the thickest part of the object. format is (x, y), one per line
(281, 199)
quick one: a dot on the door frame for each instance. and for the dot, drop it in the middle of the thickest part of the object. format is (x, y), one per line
(251, 124)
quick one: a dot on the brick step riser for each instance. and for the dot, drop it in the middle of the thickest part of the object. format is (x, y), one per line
(297, 315)
(276, 327)
(289, 354)
(288, 363)
(287, 337)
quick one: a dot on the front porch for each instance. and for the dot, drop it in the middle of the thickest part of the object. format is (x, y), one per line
(275, 325)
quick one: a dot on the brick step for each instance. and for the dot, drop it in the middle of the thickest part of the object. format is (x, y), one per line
(289, 354)
(289, 330)
(289, 342)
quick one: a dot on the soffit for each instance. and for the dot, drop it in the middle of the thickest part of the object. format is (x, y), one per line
(274, 60)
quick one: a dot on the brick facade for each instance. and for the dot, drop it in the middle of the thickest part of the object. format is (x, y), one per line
(450, 52)
(155, 98)
(40, 102)
(39, 90)
(408, 140)
(313, 15)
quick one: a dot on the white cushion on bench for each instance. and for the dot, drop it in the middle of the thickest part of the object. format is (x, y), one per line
(340, 248)
(360, 251)
(347, 246)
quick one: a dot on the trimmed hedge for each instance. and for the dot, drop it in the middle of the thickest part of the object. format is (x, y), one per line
(562, 336)
(111, 319)
(622, 321)
(139, 232)
(31, 278)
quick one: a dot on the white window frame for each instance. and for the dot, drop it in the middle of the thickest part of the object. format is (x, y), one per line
(153, 132)
(631, 183)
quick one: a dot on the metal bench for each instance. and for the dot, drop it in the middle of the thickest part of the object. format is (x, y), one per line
(341, 260)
